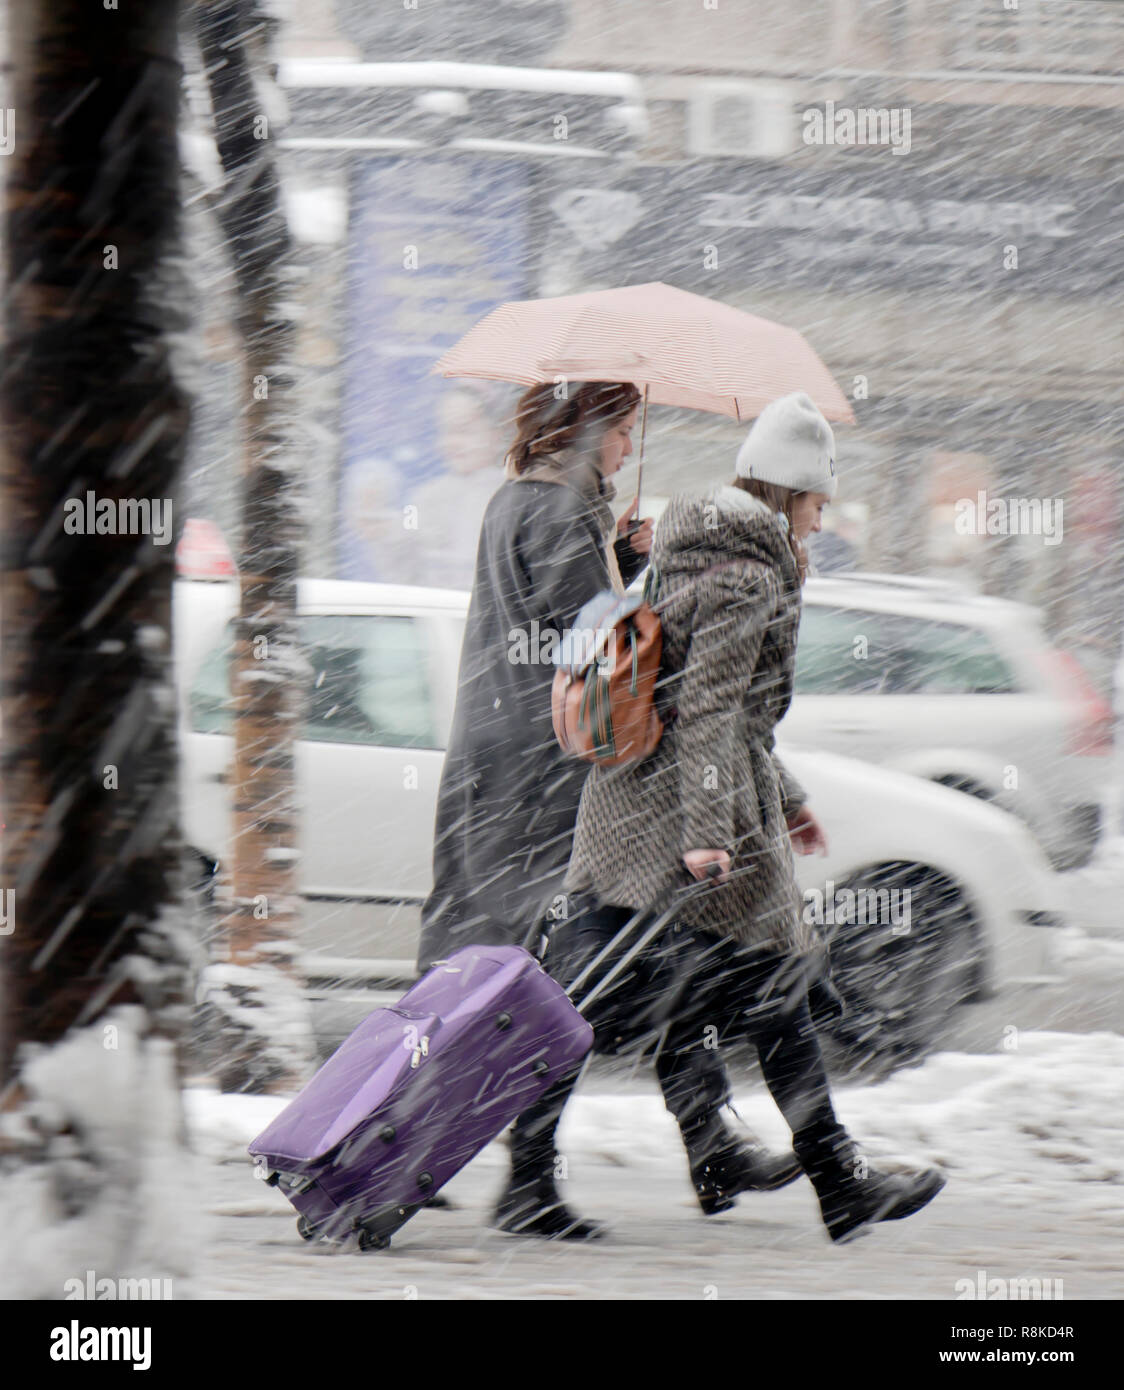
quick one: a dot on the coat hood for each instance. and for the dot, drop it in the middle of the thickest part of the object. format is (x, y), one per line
(699, 530)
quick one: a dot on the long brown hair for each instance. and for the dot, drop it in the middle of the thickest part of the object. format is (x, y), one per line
(779, 499)
(546, 423)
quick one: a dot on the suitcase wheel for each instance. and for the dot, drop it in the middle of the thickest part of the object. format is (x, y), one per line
(425, 1181)
(503, 1021)
(306, 1229)
(372, 1240)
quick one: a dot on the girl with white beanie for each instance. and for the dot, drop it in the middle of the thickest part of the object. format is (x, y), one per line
(714, 802)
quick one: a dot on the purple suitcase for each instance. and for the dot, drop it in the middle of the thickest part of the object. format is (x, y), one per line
(418, 1090)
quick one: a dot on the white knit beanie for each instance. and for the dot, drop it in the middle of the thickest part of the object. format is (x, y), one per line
(790, 444)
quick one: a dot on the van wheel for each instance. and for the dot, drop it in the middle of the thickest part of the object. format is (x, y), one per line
(901, 964)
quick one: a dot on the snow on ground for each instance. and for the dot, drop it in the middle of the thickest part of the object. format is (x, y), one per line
(1032, 1140)
(114, 1195)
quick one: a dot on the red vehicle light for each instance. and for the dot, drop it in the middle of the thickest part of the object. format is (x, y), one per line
(1093, 735)
(202, 552)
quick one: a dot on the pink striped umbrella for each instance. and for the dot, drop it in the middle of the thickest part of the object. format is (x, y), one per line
(682, 348)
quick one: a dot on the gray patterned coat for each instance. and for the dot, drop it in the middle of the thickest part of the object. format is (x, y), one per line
(729, 602)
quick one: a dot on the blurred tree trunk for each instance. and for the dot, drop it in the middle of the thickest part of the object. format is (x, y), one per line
(258, 983)
(94, 960)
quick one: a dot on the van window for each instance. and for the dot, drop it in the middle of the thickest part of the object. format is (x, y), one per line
(369, 683)
(209, 703)
(844, 651)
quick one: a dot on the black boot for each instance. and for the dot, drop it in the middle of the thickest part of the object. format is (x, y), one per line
(724, 1164)
(852, 1194)
(532, 1206)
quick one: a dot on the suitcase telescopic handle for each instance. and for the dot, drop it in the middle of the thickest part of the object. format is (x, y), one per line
(711, 873)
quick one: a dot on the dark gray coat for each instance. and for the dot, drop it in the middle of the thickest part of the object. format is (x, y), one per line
(730, 608)
(509, 796)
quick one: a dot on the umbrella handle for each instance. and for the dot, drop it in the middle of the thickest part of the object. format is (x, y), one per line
(640, 460)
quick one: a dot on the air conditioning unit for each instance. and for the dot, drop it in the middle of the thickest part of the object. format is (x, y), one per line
(734, 119)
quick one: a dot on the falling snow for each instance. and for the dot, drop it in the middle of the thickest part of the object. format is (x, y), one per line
(950, 291)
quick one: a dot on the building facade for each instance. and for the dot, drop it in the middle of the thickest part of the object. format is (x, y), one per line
(929, 193)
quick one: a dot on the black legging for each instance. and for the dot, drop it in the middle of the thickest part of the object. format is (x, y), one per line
(685, 993)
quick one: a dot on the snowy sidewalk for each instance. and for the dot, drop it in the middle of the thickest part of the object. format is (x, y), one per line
(1032, 1140)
